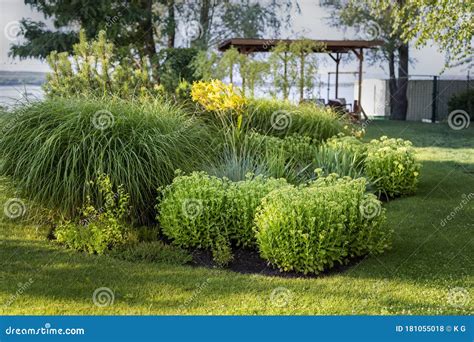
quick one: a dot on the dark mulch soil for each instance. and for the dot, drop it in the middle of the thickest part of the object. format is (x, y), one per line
(249, 262)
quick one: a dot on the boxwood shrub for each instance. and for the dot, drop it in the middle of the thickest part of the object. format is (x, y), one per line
(310, 229)
(391, 165)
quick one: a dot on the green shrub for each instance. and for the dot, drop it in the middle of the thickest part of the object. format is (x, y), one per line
(391, 165)
(343, 155)
(53, 148)
(175, 66)
(294, 147)
(207, 212)
(280, 118)
(243, 198)
(348, 144)
(463, 101)
(193, 213)
(309, 229)
(152, 251)
(95, 68)
(98, 229)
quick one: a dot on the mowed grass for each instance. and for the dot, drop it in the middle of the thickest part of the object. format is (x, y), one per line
(428, 261)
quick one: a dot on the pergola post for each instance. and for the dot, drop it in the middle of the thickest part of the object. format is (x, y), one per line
(360, 56)
(361, 62)
(336, 59)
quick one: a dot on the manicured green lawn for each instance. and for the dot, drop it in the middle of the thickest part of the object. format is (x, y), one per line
(428, 259)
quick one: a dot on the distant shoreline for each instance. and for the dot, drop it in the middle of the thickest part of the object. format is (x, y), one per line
(20, 78)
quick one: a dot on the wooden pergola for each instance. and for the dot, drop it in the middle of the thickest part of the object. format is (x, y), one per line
(335, 49)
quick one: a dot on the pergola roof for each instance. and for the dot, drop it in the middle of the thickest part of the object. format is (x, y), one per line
(247, 45)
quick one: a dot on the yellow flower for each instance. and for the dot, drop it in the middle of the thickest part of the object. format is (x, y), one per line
(215, 95)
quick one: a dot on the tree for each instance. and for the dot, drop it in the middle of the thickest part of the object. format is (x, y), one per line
(220, 20)
(129, 25)
(449, 23)
(306, 63)
(281, 60)
(205, 65)
(143, 26)
(378, 22)
(254, 73)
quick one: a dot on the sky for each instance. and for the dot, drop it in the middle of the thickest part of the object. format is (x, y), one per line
(311, 23)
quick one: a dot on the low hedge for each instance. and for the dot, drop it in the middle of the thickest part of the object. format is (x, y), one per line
(193, 213)
(306, 229)
(210, 213)
(310, 229)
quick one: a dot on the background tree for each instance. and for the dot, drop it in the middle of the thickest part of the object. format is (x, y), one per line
(375, 21)
(205, 65)
(143, 26)
(255, 72)
(449, 23)
(230, 59)
(305, 63)
(281, 60)
(220, 20)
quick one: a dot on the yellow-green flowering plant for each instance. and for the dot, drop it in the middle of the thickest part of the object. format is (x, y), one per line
(391, 164)
(220, 98)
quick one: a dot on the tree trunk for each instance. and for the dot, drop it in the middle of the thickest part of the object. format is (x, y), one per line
(302, 76)
(171, 25)
(148, 37)
(204, 18)
(400, 101)
(285, 76)
(392, 82)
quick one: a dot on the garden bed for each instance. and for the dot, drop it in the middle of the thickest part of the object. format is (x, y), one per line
(247, 261)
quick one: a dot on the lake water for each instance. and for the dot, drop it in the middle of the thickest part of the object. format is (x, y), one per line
(13, 95)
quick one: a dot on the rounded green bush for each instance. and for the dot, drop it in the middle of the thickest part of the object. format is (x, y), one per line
(243, 199)
(391, 165)
(309, 229)
(193, 213)
(53, 148)
(202, 211)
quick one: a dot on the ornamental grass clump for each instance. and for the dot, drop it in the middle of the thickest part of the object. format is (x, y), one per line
(310, 229)
(391, 165)
(53, 148)
(281, 118)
